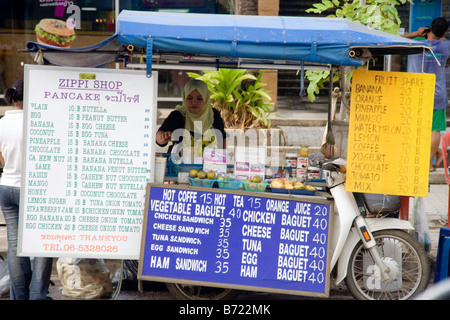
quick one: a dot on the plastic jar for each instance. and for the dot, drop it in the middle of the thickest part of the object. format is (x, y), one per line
(291, 162)
(313, 173)
(302, 160)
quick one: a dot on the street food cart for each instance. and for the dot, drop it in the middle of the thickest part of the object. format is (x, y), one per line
(224, 234)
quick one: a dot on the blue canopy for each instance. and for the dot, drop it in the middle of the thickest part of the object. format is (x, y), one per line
(265, 38)
(322, 40)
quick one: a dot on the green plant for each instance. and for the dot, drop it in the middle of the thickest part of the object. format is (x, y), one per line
(316, 81)
(377, 14)
(239, 96)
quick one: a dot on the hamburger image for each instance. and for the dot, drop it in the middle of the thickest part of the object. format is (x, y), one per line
(54, 32)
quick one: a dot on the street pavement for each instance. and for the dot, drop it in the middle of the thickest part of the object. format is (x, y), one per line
(309, 130)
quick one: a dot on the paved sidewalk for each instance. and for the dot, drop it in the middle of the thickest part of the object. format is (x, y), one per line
(436, 207)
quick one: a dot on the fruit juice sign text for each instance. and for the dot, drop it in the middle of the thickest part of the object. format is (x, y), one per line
(390, 132)
(236, 239)
(88, 136)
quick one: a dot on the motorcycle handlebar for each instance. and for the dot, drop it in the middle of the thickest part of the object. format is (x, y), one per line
(330, 166)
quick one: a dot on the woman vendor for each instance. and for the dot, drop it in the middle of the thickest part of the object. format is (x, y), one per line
(196, 119)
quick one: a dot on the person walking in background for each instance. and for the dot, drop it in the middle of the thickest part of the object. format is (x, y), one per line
(427, 63)
(29, 281)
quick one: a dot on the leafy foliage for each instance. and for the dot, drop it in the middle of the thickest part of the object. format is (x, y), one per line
(317, 80)
(239, 96)
(377, 14)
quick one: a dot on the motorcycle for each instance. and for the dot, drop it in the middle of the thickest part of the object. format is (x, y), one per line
(377, 257)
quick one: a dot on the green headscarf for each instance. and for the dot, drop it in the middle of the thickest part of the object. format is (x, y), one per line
(205, 116)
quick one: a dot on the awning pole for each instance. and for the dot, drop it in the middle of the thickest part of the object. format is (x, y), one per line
(330, 136)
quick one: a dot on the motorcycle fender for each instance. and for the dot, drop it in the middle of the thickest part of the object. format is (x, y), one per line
(374, 224)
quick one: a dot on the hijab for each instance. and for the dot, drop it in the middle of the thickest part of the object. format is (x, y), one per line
(205, 116)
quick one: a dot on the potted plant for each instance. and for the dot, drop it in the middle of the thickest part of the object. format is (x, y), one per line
(240, 97)
(244, 106)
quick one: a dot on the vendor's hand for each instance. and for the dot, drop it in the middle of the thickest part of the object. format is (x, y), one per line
(422, 32)
(162, 137)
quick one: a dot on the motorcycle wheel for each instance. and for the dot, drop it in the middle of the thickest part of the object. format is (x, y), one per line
(403, 254)
(189, 292)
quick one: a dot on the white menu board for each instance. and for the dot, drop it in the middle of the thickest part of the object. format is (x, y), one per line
(88, 153)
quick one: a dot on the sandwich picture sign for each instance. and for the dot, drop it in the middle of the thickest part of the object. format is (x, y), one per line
(55, 32)
(88, 137)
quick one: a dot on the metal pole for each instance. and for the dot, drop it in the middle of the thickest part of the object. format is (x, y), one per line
(117, 10)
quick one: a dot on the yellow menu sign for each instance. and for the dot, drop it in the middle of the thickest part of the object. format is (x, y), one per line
(390, 132)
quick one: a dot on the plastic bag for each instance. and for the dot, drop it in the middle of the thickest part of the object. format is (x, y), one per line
(84, 278)
(421, 223)
(4, 278)
(129, 274)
